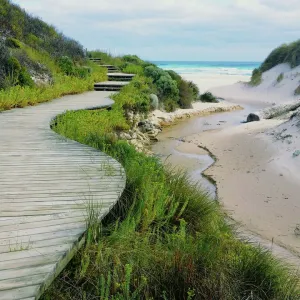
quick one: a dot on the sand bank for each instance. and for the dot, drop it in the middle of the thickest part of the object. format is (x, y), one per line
(199, 109)
(206, 82)
(253, 188)
(257, 170)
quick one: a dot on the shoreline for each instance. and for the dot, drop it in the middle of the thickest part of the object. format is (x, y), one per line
(164, 119)
(281, 250)
(224, 188)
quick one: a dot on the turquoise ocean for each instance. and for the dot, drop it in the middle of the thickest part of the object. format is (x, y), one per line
(209, 67)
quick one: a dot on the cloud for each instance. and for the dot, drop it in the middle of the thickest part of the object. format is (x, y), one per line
(199, 28)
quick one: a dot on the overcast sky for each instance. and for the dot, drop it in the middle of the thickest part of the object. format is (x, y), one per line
(236, 30)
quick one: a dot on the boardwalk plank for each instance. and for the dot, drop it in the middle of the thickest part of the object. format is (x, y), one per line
(47, 185)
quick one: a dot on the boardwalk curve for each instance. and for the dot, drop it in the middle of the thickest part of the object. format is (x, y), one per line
(46, 184)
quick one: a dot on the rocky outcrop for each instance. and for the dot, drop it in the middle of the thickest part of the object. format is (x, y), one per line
(143, 131)
(282, 111)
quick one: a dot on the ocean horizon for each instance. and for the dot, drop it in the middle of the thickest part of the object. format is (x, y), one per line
(210, 67)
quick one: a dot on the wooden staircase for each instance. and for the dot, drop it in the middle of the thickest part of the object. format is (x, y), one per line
(116, 79)
(113, 86)
(120, 77)
(111, 68)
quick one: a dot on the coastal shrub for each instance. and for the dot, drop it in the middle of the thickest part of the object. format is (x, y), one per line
(134, 59)
(133, 69)
(195, 89)
(164, 239)
(169, 105)
(12, 43)
(286, 53)
(208, 97)
(154, 72)
(186, 95)
(18, 96)
(66, 65)
(167, 88)
(297, 91)
(175, 76)
(256, 78)
(280, 77)
(17, 24)
(17, 74)
(24, 78)
(134, 96)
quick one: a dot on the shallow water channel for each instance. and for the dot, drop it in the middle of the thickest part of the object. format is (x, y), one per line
(170, 147)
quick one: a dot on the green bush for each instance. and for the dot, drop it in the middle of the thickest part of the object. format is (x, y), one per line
(133, 69)
(18, 24)
(186, 95)
(169, 105)
(132, 59)
(154, 72)
(12, 43)
(167, 87)
(82, 72)
(175, 76)
(164, 239)
(24, 78)
(208, 97)
(256, 78)
(66, 65)
(286, 53)
(195, 89)
(280, 77)
(297, 91)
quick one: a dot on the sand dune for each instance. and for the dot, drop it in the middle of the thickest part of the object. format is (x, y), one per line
(258, 167)
(270, 91)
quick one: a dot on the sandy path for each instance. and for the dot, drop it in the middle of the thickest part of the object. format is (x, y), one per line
(254, 190)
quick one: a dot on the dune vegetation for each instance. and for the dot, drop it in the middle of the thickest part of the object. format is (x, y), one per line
(37, 63)
(286, 53)
(165, 239)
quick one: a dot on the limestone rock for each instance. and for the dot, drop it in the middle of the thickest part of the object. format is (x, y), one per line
(275, 111)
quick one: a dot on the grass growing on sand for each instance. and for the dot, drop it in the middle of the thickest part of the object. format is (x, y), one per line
(165, 239)
(18, 96)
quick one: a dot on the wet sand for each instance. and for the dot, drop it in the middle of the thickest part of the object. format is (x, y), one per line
(254, 190)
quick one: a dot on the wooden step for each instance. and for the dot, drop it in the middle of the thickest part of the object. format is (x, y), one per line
(120, 77)
(110, 85)
(95, 59)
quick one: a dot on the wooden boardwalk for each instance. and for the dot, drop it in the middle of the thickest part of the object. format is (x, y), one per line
(47, 184)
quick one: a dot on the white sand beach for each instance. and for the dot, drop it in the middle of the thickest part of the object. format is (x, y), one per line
(205, 82)
(258, 164)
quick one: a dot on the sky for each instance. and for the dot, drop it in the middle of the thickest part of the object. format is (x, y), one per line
(186, 30)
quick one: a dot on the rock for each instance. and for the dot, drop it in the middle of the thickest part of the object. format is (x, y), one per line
(154, 101)
(125, 136)
(276, 111)
(253, 117)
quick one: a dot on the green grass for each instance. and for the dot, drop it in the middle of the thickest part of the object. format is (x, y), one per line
(286, 53)
(64, 85)
(165, 239)
(208, 97)
(280, 77)
(256, 78)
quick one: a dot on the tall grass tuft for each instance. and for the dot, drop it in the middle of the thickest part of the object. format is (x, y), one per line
(165, 239)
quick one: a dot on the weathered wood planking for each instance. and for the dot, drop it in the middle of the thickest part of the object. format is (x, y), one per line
(47, 185)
